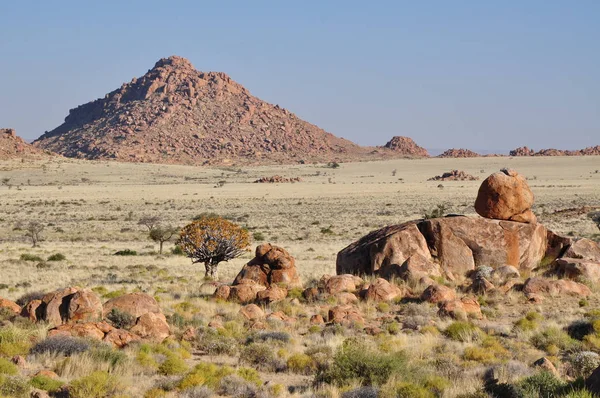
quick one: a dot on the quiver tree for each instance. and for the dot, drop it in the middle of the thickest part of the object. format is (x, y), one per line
(212, 240)
(162, 234)
(33, 231)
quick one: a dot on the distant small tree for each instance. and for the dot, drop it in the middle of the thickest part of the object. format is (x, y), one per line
(162, 234)
(438, 211)
(149, 222)
(33, 231)
(5, 181)
(211, 240)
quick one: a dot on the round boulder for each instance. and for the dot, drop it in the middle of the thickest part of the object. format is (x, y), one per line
(505, 196)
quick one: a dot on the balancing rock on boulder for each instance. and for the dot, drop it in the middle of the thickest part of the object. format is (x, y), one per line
(505, 196)
(271, 265)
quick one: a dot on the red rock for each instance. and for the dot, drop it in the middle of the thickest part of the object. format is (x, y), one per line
(454, 175)
(461, 309)
(438, 294)
(246, 291)
(344, 298)
(136, 304)
(272, 265)
(151, 326)
(120, 338)
(30, 310)
(585, 249)
(311, 294)
(85, 330)
(272, 294)
(317, 320)
(574, 268)
(345, 314)
(252, 312)
(342, 283)
(12, 146)
(85, 306)
(406, 146)
(54, 306)
(281, 317)
(19, 360)
(538, 285)
(10, 305)
(382, 290)
(459, 153)
(222, 292)
(46, 373)
(505, 196)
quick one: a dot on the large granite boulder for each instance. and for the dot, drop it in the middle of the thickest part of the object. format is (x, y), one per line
(505, 196)
(271, 265)
(457, 244)
(69, 305)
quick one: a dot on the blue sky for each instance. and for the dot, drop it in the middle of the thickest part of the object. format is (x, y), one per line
(477, 74)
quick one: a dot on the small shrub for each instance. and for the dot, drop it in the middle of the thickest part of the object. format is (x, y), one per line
(14, 341)
(584, 363)
(96, 385)
(57, 257)
(29, 297)
(121, 319)
(354, 360)
(543, 384)
(43, 265)
(7, 367)
(205, 374)
(258, 236)
(259, 355)
(177, 251)
(197, 392)
(552, 338)
(30, 257)
(45, 383)
(463, 331)
(64, 345)
(126, 252)
(275, 337)
(173, 365)
(301, 363)
(236, 386)
(361, 392)
(215, 343)
(14, 387)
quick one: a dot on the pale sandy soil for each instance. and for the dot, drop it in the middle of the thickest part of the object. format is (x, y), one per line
(92, 209)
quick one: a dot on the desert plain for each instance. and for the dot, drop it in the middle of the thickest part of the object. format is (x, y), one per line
(91, 210)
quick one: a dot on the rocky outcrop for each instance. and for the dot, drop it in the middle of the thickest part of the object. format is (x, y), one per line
(454, 175)
(277, 180)
(67, 306)
(405, 146)
(150, 322)
(13, 146)
(537, 286)
(177, 114)
(525, 151)
(456, 244)
(505, 196)
(9, 305)
(382, 290)
(459, 153)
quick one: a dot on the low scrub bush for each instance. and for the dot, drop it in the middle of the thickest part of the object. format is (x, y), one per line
(96, 385)
(584, 363)
(361, 392)
(236, 386)
(173, 365)
(30, 257)
(302, 364)
(57, 257)
(214, 342)
(272, 337)
(205, 374)
(15, 341)
(121, 319)
(7, 367)
(354, 360)
(64, 345)
(126, 252)
(552, 340)
(29, 297)
(14, 387)
(260, 356)
(463, 331)
(45, 383)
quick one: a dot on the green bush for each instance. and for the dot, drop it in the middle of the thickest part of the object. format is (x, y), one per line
(57, 257)
(30, 257)
(406, 390)
(173, 365)
(7, 367)
(64, 345)
(121, 319)
(15, 341)
(204, 374)
(96, 385)
(216, 343)
(551, 339)
(354, 360)
(463, 331)
(543, 384)
(301, 363)
(45, 383)
(259, 355)
(126, 252)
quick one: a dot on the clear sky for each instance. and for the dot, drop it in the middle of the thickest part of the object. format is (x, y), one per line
(477, 74)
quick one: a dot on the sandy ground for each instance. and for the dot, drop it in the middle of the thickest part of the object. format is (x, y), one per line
(91, 210)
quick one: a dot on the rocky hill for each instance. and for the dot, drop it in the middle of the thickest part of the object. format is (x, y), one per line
(525, 151)
(13, 146)
(459, 153)
(176, 114)
(405, 146)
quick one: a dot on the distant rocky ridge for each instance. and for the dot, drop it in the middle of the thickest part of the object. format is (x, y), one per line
(406, 146)
(525, 151)
(459, 153)
(13, 146)
(176, 114)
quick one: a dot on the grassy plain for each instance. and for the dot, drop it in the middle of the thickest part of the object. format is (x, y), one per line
(92, 209)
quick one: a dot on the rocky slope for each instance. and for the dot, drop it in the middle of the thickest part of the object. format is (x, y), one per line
(405, 146)
(459, 153)
(176, 114)
(525, 151)
(13, 146)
